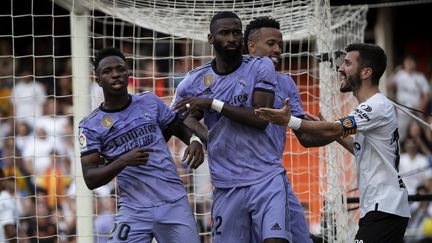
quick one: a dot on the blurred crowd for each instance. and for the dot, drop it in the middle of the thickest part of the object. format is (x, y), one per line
(412, 89)
(37, 157)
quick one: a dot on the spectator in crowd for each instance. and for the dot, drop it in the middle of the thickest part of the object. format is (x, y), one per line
(6, 75)
(414, 166)
(36, 152)
(42, 228)
(420, 137)
(6, 127)
(28, 96)
(54, 181)
(14, 167)
(411, 89)
(419, 212)
(23, 134)
(63, 88)
(9, 209)
(52, 123)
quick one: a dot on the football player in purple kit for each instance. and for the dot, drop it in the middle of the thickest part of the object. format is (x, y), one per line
(250, 200)
(262, 37)
(127, 131)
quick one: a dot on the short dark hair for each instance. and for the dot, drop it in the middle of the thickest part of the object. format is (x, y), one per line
(106, 52)
(222, 15)
(256, 24)
(373, 56)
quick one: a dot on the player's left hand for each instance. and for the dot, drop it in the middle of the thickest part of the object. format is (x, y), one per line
(276, 116)
(192, 104)
(194, 155)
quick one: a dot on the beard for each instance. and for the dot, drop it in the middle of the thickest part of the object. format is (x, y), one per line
(351, 83)
(227, 54)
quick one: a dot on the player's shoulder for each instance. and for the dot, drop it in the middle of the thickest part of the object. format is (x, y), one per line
(146, 99)
(198, 70)
(90, 117)
(285, 77)
(379, 105)
(144, 95)
(285, 81)
(257, 60)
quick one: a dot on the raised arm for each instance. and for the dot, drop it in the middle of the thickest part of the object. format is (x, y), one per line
(242, 115)
(322, 129)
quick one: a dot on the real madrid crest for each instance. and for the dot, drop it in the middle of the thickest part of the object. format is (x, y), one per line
(242, 82)
(208, 80)
(107, 122)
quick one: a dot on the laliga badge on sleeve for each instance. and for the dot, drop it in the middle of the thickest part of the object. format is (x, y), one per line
(82, 140)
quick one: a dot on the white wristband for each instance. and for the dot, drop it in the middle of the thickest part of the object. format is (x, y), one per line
(294, 123)
(217, 105)
(195, 138)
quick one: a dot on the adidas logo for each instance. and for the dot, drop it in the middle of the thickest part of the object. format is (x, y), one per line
(276, 227)
(207, 91)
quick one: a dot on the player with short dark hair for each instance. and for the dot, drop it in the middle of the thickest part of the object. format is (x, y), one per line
(250, 202)
(384, 208)
(124, 139)
(262, 37)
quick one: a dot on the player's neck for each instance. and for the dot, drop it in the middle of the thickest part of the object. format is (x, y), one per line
(365, 92)
(116, 103)
(226, 64)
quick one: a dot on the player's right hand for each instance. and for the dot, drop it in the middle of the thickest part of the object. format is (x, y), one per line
(137, 156)
(276, 116)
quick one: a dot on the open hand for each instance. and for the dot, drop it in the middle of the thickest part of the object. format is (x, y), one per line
(276, 116)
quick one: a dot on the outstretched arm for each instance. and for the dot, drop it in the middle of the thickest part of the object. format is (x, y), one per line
(242, 115)
(283, 117)
(307, 140)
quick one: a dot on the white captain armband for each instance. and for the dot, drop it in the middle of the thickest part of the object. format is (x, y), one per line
(349, 125)
(294, 123)
(195, 138)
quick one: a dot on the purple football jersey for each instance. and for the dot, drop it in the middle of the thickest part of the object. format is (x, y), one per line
(286, 89)
(140, 124)
(239, 155)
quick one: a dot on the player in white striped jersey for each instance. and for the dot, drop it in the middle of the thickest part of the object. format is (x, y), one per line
(384, 209)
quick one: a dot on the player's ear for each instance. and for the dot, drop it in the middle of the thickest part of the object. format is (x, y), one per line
(251, 47)
(210, 39)
(366, 73)
(97, 79)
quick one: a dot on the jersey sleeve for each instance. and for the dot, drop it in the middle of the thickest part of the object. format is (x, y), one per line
(165, 114)
(88, 141)
(183, 91)
(266, 75)
(368, 117)
(424, 85)
(294, 98)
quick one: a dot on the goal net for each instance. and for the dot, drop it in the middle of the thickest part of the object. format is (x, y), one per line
(47, 86)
